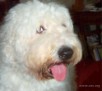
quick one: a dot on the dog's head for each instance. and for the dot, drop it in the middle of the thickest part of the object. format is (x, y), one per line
(41, 38)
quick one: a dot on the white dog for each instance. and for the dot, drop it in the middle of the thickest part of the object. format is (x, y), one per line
(36, 46)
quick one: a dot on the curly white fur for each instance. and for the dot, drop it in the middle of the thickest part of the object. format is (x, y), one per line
(21, 47)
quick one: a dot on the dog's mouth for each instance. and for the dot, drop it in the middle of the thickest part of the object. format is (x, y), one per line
(55, 71)
(58, 71)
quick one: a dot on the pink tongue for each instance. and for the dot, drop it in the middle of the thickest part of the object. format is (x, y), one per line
(59, 72)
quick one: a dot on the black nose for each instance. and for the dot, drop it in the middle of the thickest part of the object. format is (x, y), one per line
(65, 53)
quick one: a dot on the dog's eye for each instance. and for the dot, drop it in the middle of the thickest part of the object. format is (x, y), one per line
(41, 30)
(64, 25)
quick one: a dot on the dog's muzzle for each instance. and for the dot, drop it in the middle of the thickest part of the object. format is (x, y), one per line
(57, 70)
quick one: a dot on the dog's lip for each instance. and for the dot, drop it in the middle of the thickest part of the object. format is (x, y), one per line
(57, 63)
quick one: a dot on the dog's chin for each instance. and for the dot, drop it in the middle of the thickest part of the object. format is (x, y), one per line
(45, 72)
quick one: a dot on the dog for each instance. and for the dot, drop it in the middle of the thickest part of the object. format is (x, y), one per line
(38, 48)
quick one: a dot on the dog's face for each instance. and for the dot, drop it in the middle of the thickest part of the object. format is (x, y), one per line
(55, 45)
(43, 40)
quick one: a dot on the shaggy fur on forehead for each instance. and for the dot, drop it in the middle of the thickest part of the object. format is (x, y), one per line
(30, 38)
(49, 11)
